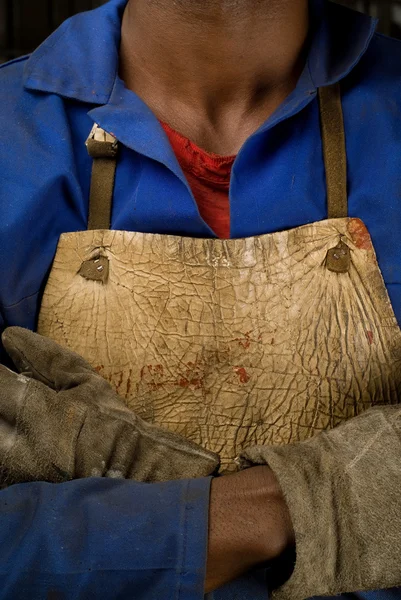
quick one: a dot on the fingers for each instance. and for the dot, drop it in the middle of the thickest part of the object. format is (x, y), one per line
(13, 389)
(42, 359)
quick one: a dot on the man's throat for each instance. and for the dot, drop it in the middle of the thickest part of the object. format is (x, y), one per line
(218, 75)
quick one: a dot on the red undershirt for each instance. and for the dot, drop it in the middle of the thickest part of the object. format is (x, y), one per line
(209, 177)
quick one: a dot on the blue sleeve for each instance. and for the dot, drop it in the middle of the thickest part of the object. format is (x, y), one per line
(104, 538)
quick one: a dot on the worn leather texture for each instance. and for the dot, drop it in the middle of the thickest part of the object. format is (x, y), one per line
(231, 343)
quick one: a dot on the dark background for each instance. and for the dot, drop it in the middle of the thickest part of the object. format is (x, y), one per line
(24, 24)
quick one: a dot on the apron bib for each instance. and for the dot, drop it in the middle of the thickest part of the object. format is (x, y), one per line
(231, 343)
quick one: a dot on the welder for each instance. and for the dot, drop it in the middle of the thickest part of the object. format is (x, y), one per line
(200, 301)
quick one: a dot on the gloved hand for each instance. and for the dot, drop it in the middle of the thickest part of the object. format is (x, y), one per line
(343, 490)
(60, 420)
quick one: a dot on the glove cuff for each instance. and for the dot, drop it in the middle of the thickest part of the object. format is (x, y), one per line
(327, 556)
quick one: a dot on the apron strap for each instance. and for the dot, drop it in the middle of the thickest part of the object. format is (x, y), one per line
(334, 153)
(103, 148)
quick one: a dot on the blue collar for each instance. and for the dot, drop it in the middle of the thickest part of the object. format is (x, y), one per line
(80, 60)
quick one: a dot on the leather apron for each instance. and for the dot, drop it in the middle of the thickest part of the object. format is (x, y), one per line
(231, 343)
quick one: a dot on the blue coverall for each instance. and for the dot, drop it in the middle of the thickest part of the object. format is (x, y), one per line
(116, 539)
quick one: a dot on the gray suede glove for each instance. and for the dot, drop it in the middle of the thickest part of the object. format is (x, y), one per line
(60, 420)
(343, 490)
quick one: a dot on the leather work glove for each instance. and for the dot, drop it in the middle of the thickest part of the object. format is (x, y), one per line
(60, 420)
(343, 490)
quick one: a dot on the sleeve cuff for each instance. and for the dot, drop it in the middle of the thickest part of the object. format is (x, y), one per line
(191, 567)
(105, 538)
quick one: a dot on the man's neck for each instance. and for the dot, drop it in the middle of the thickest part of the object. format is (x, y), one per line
(213, 69)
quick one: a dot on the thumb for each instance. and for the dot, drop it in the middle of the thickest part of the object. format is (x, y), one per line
(44, 360)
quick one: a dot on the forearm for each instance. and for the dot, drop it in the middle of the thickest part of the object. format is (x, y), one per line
(249, 525)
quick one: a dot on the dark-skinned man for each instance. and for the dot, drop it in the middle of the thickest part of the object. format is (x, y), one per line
(200, 216)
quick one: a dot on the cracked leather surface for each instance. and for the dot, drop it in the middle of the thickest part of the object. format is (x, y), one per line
(231, 343)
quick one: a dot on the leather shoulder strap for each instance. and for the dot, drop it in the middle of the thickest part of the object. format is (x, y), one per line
(103, 148)
(335, 158)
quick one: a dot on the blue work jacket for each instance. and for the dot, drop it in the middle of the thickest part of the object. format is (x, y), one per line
(116, 539)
